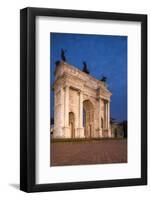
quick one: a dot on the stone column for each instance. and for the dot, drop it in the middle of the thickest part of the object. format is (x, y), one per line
(59, 113)
(80, 110)
(80, 124)
(62, 107)
(99, 110)
(66, 107)
(108, 115)
(66, 112)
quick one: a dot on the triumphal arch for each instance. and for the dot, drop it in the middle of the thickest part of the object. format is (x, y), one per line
(82, 104)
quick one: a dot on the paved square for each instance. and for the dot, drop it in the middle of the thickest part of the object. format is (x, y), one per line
(89, 152)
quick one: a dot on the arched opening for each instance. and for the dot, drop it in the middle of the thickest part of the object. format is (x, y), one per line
(88, 118)
(102, 122)
(72, 124)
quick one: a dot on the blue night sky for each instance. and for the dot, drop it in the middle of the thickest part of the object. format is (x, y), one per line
(105, 56)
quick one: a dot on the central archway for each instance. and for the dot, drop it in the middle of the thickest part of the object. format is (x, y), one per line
(88, 118)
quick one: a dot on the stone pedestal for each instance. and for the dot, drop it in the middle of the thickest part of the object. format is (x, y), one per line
(100, 133)
(80, 133)
(66, 132)
(109, 133)
(58, 133)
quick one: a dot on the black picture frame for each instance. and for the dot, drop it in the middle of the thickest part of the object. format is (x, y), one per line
(28, 98)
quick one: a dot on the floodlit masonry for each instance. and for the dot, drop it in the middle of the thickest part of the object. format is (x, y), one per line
(82, 104)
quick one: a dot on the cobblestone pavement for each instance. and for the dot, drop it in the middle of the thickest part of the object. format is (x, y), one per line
(89, 152)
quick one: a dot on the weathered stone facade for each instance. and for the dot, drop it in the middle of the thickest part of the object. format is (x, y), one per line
(82, 104)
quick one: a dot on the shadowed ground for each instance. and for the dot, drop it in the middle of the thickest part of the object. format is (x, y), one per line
(89, 152)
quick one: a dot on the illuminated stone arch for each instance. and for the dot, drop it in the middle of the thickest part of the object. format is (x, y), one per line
(81, 104)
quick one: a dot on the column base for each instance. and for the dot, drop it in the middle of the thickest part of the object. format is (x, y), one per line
(100, 133)
(80, 133)
(109, 133)
(106, 133)
(57, 132)
(66, 133)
